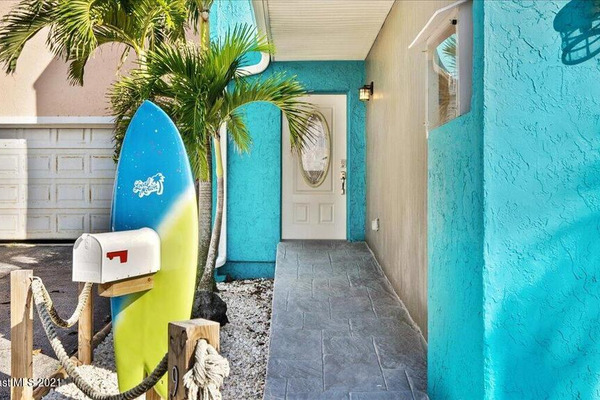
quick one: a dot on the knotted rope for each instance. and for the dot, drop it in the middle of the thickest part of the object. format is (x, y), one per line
(206, 377)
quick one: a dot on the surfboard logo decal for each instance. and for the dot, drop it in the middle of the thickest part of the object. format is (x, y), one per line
(153, 184)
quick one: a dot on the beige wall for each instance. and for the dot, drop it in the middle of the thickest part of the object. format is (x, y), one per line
(40, 88)
(397, 154)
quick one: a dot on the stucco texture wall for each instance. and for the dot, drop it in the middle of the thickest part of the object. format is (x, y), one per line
(542, 208)
(254, 179)
(536, 166)
(455, 232)
(397, 154)
(254, 191)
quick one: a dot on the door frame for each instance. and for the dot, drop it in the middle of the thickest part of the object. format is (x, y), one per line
(348, 172)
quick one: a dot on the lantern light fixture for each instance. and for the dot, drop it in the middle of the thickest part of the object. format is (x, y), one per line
(365, 92)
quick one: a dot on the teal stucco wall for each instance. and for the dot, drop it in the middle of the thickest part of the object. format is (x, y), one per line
(225, 15)
(514, 218)
(254, 179)
(455, 245)
(254, 186)
(542, 208)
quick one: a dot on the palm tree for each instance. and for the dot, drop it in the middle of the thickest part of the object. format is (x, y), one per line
(200, 15)
(191, 85)
(76, 28)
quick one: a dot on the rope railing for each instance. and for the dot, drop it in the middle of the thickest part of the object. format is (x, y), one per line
(203, 380)
(58, 321)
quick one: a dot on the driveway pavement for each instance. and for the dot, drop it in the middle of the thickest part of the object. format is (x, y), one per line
(53, 264)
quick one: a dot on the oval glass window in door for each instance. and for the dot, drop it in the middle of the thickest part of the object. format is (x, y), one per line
(316, 154)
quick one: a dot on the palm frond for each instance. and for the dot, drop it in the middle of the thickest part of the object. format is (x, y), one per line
(181, 61)
(159, 21)
(172, 78)
(195, 149)
(118, 24)
(448, 48)
(282, 91)
(238, 131)
(76, 70)
(78, 27)
(228, 53)
(21, 24)
(72, 31)
(201, 90)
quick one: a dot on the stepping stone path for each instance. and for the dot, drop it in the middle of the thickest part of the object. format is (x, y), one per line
(338, 329)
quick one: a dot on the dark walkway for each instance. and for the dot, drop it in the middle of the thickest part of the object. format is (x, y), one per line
(53, 265)
(338, 330)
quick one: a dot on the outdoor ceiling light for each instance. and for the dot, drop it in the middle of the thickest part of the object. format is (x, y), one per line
(365, 92)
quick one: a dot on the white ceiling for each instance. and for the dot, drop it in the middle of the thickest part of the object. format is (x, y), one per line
(321, 29)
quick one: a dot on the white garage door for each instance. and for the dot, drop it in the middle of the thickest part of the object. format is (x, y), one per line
(59, 186)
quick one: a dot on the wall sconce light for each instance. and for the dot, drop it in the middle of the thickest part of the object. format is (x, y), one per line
(365, 92)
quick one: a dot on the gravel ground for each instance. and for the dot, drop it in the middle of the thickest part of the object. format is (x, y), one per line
(244, 342)
(52, 263)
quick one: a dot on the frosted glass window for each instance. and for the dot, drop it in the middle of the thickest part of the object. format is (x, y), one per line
(316, 154)
(443, 79)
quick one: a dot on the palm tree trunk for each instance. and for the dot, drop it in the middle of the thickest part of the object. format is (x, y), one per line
(207, 281)
(205, 183)
(205, 26)
(204, 216)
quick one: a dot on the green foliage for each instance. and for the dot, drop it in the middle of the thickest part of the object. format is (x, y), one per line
(448, 48)
(191, 86)
(76, 28)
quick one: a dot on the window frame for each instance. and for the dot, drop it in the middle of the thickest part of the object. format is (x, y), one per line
(435, 32)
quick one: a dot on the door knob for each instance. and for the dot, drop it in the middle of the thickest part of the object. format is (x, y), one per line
(343, 179)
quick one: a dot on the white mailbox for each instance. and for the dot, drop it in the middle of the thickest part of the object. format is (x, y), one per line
(112, 256)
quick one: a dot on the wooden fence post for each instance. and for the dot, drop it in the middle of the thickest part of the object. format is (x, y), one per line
(183, 336)
(151, 394)
(85, 329)
(21, 334)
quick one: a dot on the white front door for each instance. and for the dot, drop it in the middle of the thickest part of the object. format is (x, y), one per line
(314, 184)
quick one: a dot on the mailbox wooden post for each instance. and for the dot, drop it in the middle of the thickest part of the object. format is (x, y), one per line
(85, 330)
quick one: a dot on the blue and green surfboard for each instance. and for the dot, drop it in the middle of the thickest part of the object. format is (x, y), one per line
(154, 188)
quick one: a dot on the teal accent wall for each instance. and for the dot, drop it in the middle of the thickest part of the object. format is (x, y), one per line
(542, 208)
(514, 213)
(455, 246)
(225, 15)
(254, 179)
(254, 186)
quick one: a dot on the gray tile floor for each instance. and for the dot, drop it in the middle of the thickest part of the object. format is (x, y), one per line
(338, 330)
